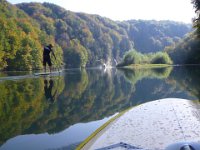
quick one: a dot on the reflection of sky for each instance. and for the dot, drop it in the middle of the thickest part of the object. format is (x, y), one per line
(71, 135)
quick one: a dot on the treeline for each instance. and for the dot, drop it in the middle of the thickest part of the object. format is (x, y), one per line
(196, 21)
(133, 57)
(87, 38)
(80, 39)
(153, 36)
(187, 50)
(21, 40)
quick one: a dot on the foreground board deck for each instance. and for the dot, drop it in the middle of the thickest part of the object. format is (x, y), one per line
(153, 125)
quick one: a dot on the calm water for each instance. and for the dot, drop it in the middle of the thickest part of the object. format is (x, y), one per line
(59, 112)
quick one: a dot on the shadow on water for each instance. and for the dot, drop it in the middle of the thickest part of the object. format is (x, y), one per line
(53, 104)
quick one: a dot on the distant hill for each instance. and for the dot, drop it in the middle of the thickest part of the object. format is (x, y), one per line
(80, 39)
(153, 36)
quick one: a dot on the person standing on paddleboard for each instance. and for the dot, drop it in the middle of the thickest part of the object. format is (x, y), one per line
(46, 56)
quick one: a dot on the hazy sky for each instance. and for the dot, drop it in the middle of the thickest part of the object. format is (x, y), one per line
(177, 10)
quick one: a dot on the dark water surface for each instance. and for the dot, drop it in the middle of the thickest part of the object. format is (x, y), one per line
(58, 112)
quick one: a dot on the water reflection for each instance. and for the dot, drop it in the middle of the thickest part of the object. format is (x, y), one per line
(135, 75)
(48, 86)
(53, 104)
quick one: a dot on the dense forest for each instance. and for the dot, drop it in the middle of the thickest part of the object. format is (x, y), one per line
(79, 39)
(153, 36)
(21, 40)
(187, 50)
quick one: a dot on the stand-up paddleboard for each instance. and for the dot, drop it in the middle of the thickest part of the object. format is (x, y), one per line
(48, 73)
(163, 124)
(35, 75)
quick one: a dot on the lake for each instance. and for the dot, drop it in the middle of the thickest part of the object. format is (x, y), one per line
(59, 112)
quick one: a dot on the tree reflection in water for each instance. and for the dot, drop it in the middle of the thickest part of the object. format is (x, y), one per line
(86, 95)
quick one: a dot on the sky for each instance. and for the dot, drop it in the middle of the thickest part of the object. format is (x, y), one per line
(176, 10)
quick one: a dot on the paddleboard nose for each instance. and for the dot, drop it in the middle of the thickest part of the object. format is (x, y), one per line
(187, 147)
(184, 146)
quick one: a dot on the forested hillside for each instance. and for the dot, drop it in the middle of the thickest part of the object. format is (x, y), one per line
(187, 50)
(153, 36)
(21, 40)
(80, 39)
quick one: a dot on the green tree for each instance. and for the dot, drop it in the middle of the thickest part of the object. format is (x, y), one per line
(196, 21)
(77, 55)
(133, 57)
